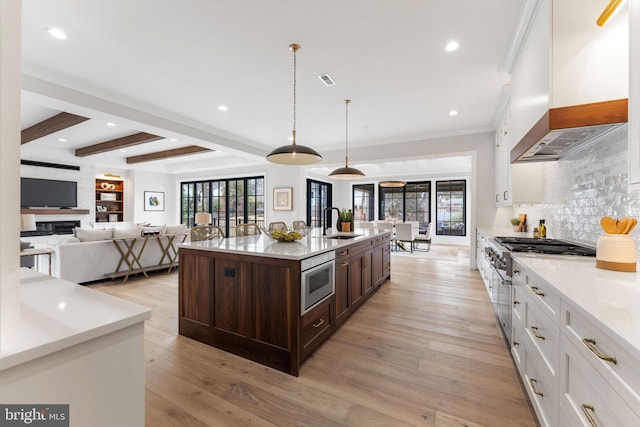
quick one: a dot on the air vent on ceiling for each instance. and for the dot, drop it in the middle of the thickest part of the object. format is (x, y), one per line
(49, 165)
(327, 79)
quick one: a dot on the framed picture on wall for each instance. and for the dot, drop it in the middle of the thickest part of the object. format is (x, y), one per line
(283, 199)
(153, 201)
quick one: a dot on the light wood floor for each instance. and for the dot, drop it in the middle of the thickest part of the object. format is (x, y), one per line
(425, 350)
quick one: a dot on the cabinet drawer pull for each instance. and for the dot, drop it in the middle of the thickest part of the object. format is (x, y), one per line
(534, 331)
(537, 291)
(515, 343)
(591, 345)
(343, 253)
(343, 264)
(534, 389)
(504, 195)
(588, 412)
(317, 325)
(516, 302)
(515, 271)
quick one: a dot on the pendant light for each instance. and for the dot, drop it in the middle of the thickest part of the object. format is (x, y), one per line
(346, 172)
(294, 154)
(392, 184)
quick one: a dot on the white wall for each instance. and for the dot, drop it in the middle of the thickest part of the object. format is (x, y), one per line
(10, 59)
(141, 181)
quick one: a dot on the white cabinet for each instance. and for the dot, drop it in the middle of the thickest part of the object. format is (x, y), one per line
(634, 94)
(576, 373)
(517, 183)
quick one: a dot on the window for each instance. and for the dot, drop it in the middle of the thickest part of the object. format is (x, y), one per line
(230, 202)
(318, 198)
(451, 208)
(363, 202)
(409, 203)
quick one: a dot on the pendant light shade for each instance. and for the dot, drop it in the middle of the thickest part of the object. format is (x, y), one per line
(294, 154)
(392, 184)
(346, 172)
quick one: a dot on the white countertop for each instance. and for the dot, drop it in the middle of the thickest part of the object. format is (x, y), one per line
(611, 297)
(262, 245)
(40, 315)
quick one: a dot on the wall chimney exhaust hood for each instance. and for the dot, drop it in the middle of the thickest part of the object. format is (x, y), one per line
(562, 130)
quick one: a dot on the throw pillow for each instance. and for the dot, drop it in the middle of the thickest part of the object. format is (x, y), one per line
(175, 229)
(89, 235)
(127, 232)
(69, 239)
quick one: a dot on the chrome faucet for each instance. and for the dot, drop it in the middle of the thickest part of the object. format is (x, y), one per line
(324, 218)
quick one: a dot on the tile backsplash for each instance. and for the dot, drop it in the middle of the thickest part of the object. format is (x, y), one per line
(584, 186)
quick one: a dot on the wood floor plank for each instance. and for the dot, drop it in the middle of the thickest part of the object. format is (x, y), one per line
(425, 350)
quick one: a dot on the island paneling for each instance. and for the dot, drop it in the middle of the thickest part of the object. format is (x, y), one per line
(249, 304)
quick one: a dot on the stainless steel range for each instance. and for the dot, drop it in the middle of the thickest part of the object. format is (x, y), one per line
(498, 256)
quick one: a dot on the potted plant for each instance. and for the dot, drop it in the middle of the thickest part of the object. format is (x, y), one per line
(516, 224)
(345, 219)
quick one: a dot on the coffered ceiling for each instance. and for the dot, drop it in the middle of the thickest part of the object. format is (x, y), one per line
(164, 68)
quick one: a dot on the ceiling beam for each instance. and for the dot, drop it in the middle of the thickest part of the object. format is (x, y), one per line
(176, 152)
(51, 125)
(117, 144)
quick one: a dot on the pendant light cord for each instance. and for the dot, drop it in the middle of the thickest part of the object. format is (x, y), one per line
(294, 48)
(346, 132)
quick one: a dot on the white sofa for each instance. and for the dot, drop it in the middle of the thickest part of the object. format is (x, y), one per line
(86, 261)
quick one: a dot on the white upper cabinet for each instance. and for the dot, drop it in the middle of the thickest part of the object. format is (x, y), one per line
(634, 94)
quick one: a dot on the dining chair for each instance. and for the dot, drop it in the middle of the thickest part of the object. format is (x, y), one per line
(386, 226)
(299, 225)
(278, 225)
(205, 232)
(404, 235)
(423, 238)
(249, 229)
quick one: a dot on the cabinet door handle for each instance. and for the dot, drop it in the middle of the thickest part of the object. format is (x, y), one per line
(588, 412)
(537, 291)
(343, 264)
(591, 345)
(534, 389)
(516, 302)
(536, 333)
(504, 195)
(317, 325)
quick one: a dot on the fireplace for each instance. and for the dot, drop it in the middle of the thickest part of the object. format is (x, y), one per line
(47, 228)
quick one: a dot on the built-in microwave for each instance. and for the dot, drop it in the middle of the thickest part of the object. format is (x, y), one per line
(317, 280)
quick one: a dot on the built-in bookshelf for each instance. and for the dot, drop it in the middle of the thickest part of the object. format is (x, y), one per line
(109, 200)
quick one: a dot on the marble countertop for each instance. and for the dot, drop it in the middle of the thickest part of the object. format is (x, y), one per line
(312, 244)
(612, 298)
(40, 315)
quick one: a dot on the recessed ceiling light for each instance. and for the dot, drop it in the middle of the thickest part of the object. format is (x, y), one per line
(62, 140)
(452, 45)
(453, 113)
(223, 108)
(111, 124)
(57, 33)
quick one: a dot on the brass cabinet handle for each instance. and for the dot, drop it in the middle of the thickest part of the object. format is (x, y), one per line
(343, 264)
(537, 291)
(591, 345)
(588, 412)
(317, 325)
(534, 331)
(534, 389)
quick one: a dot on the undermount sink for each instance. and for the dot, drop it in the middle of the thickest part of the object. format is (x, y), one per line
(342, 236)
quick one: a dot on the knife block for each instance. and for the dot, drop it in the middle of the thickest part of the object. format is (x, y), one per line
(616, 252)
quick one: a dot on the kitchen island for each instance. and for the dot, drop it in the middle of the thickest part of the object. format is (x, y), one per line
(243, 294)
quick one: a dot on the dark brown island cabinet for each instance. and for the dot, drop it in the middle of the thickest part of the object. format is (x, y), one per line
(250, 305)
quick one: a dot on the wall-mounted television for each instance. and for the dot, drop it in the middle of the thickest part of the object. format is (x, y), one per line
(48, 193)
